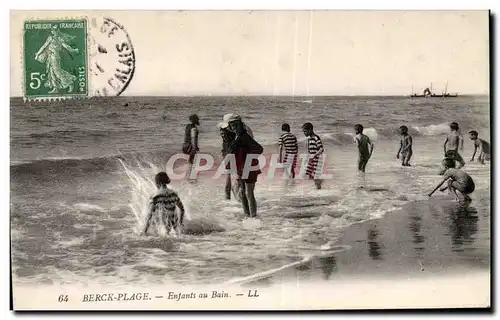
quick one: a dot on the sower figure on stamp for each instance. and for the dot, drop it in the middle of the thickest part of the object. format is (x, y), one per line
(50, 54)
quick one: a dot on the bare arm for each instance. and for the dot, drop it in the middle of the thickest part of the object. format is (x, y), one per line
(181, 208)
(474, 153)
(461, 142)
(480, 147)
(280, 149)
(400, 147)
(444, 145)
(249, 131)
(439, 185)
(194, 138)
(371, 146)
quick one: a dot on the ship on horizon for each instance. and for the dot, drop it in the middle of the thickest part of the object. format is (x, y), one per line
(427, 93)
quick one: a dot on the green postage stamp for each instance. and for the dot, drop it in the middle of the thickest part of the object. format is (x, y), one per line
(55, 59)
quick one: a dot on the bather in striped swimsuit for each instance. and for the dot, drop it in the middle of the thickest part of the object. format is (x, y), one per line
(314, 145)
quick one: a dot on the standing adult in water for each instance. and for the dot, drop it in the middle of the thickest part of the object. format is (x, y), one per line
(227, 139)
(232, 183)
(242, 146)
(190, 146)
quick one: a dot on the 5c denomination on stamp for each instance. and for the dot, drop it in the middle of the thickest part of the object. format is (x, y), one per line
(55, 59)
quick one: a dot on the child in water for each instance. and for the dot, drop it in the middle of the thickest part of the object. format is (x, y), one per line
(405, 148)
(288, 149)
(163, 205)
(365, 147)
(482, 145)
(457, 180)
(315, 149)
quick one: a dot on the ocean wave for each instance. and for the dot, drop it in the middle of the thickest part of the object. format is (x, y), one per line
(88, 207)
(110, 162)
(58, 134)
(389, 133)
(73, 135)
(103, 164)
(83, 165)
(432, 130)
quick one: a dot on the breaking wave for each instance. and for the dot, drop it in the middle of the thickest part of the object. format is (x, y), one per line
(110, 163)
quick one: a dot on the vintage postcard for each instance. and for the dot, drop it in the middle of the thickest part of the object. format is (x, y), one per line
(250, 160)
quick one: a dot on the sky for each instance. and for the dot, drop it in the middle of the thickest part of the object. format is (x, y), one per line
(294, 52)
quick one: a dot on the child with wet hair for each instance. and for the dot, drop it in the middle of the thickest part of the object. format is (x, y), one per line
(448, 162)
(163, 205)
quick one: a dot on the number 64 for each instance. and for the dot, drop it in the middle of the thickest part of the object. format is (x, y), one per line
(35, 80)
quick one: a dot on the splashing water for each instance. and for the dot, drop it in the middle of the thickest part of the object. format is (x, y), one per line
(143, 187)
(140, 176)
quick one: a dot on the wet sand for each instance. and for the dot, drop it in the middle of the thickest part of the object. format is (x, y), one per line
(432, 253)
(437, 236)
(429, 254)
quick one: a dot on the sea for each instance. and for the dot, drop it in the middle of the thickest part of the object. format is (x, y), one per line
(81, 173)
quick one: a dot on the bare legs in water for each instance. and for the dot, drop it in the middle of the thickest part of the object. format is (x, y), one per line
(453, 186)
(248, 198)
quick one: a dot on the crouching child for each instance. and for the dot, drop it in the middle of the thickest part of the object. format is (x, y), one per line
(456, 180)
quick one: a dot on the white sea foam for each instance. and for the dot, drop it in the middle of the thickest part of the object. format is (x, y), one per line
(88, 207)
(433, 129)
(371, 133)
